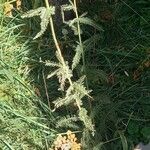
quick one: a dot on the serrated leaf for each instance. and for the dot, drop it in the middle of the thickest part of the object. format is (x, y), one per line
(52, 74)
(81, 79)
(87, 21)
(67, 121)
(77, 56)
(90, 22)
(86, 119)
(51, 64)
(64, 101)
(81, 90)
(34, 12)
(45, 15)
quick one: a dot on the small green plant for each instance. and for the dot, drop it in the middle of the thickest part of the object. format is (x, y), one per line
(74, 91)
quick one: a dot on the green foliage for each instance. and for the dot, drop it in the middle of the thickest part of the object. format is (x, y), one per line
(76, 91)
(146, 132)
(22, 125)
(86, 21)
(124, 141)
(68, 122)
(108, 54)
(77, 56)
(44, 14)
(133, 128)
(86, 119)
(138, 131)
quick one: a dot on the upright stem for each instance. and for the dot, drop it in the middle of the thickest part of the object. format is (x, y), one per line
(54, 35)
(80, 41)
(79, 32)
(81, 44)
(58, 47)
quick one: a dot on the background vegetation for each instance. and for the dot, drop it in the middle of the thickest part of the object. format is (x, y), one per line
(115, 61)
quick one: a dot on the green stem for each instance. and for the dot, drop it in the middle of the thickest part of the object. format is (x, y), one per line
(79, 33)
(81, 44)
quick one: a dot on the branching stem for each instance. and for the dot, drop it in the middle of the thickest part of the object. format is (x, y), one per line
(79, 34)
(58, 47)
(81, 45)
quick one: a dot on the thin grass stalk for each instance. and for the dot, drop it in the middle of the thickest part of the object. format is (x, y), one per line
(81, 45)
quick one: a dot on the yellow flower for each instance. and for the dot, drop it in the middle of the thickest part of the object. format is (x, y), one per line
(69, 141)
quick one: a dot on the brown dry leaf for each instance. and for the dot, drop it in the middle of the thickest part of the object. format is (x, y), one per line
(136, 74)
(147, 64)
(106, 16)
(111, 78)
(8, 9)
(37, 91)
(18, 4)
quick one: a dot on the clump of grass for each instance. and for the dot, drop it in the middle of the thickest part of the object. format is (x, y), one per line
(22, 124)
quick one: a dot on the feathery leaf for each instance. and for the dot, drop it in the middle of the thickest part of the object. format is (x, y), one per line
(77, 57)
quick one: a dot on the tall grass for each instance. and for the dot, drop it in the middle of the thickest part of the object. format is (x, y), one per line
(22, 123)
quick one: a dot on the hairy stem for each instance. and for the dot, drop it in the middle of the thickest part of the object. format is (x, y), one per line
(81, 44)
(58, 47)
